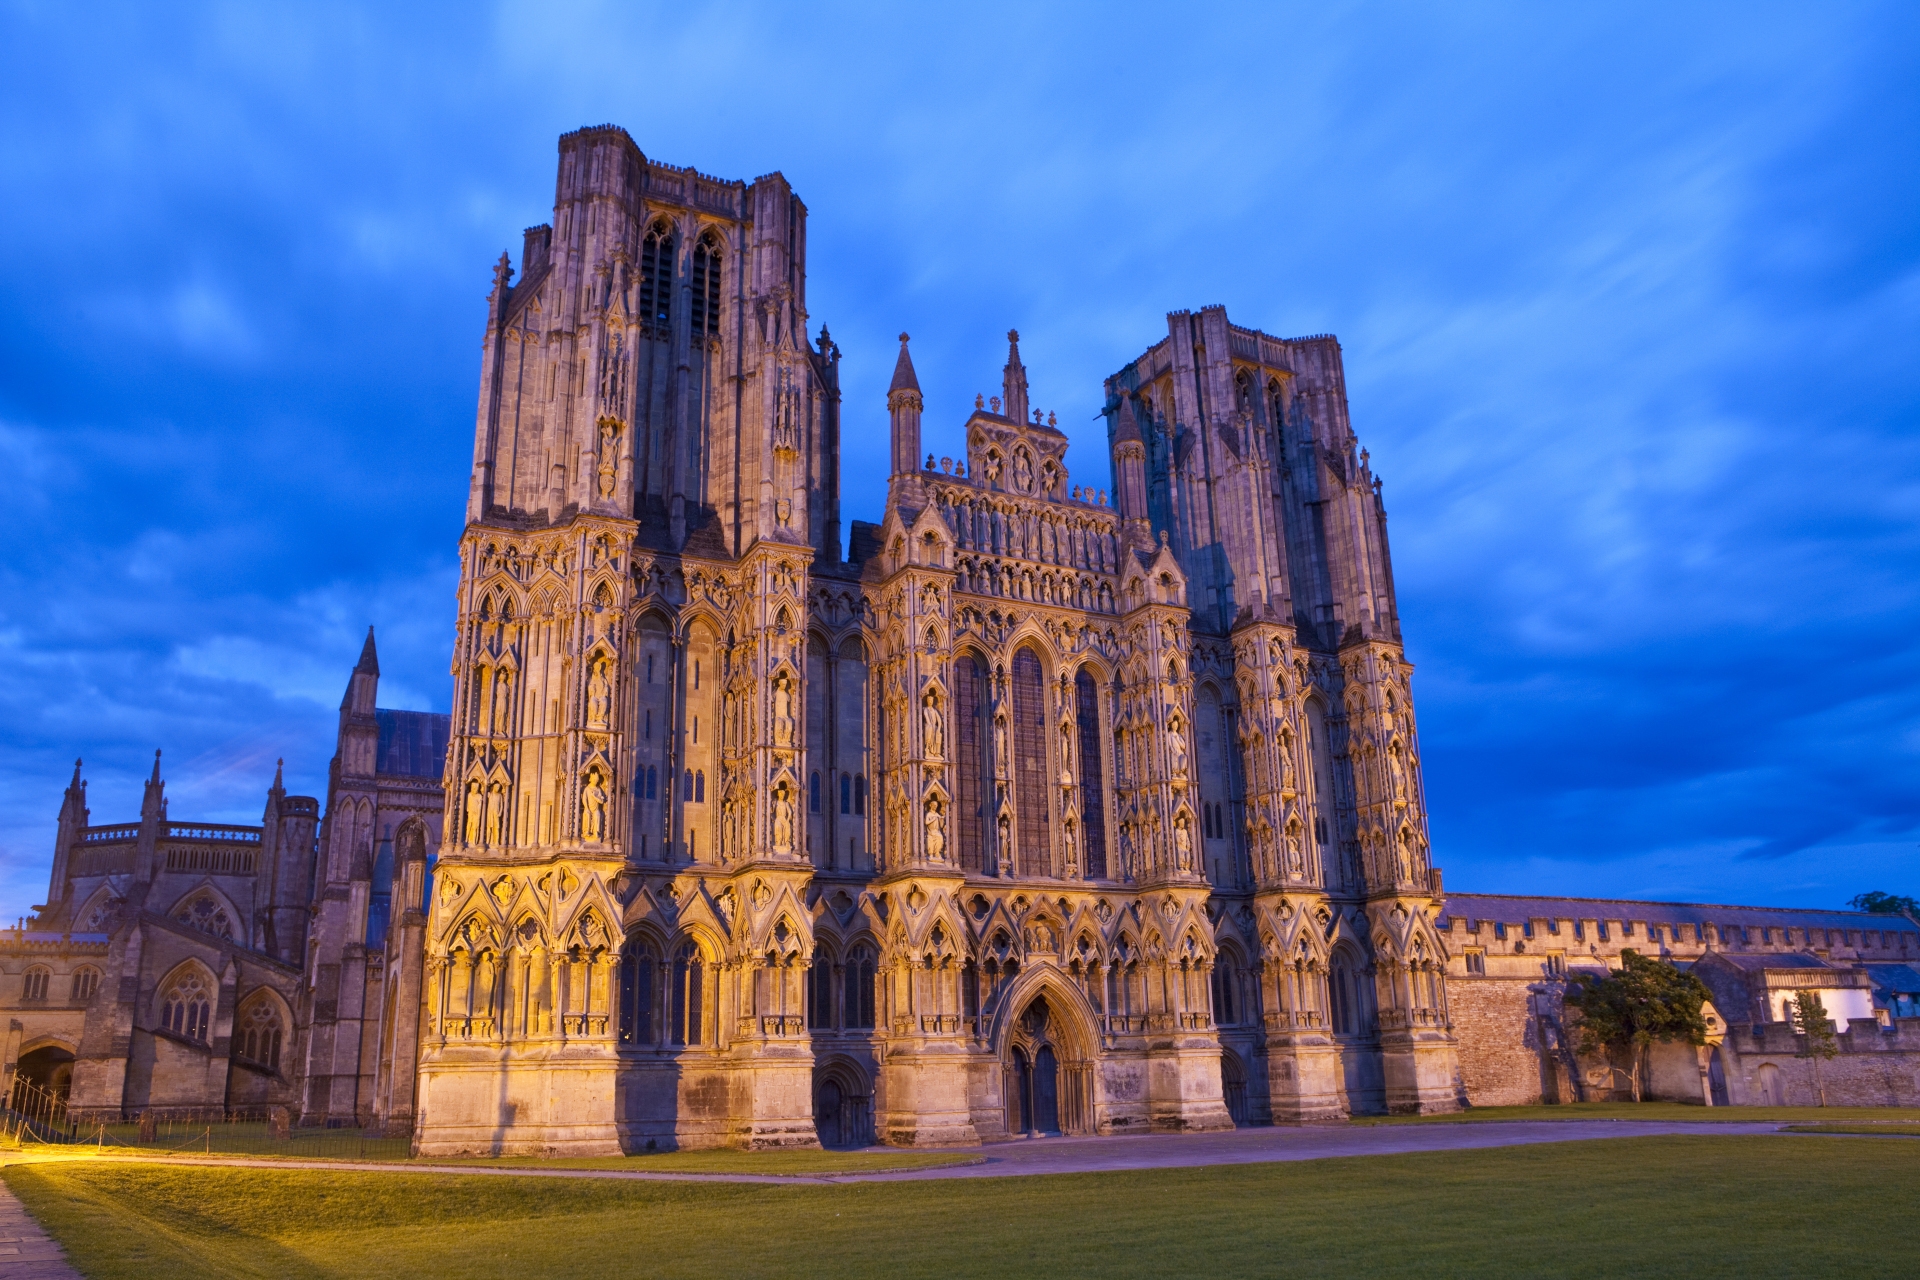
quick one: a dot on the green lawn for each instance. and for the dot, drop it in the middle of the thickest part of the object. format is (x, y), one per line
(1895, 1128)
(1656, 1111)
(1661, 1206)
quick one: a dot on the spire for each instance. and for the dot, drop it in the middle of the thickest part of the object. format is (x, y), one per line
(279, 774)
(369, 663)
(155, 779)
(1013, 380)
(903, 379)
(1127, 429)
(154, 804)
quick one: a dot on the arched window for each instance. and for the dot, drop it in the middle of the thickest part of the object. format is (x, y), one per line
(207, 915)
(858, 996)
(653, 782)
(686, 787)
(969, 706)
(187, 1007)
(813, 792)
(1093, 792)
(820, 991)
(656, 275)
(846, 793)
(1225, 980)
(639, 970)
(1352, 1004)
(1030, 765)
(33, 988)
(859, 794)
(706, 285)
(700, 787)
(689, 994)
(258, 1033)
(86, 981)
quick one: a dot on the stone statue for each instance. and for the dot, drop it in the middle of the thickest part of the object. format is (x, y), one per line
(593, 809)
(1022, 472)
(476, 811)
(1000, 746)
(1182, 845)
(936, 825)
(783, 710)
(782, 821)
(496, 813)
(933, 728)
(1177, 749)
(1398, 770)
(599, 694)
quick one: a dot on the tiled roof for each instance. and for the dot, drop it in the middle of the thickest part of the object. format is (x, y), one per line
(1894, 977)
(1779, 960)
(1515, 909)
(413, 744)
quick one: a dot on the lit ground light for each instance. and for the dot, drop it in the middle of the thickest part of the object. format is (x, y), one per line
(1755, 1206)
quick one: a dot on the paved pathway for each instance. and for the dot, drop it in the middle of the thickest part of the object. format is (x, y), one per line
(1094, 1155)
(27, 1252)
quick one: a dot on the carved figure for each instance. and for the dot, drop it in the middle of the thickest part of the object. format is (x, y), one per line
(1000, 746)
(599, 694)
(1022, 471)
(496, 813)
(783, 710)
(1398, 770)
(933, 728)
(1177, 748)
(1182, 845)
(782, 821)
(593, 809)
(936, 825)
(476, 811)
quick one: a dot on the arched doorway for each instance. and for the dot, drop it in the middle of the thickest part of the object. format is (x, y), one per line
(842, 1107)
(1049, 1079)
(48, 1071)
(1233, 1086)
(1717, 1077)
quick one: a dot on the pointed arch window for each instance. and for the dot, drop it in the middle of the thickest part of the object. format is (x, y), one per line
(969, 706)
(639, 967)
(1093, 794)
(85, 982)
(187, 1007)
(706, 284)
(846, 793)
(813, 792)
(858, 996)
(689, 994)
(1030, 764)
(33, 988)
(258, 1036)
(656, 276)
(820, 991)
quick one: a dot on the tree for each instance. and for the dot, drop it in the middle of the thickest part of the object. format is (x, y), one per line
(1644, 1001)
(1810, 1015)
(1877, 903)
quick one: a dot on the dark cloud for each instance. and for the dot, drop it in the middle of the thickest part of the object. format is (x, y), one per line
(1628, 298)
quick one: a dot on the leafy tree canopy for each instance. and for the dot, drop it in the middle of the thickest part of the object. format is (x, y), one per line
(1886, 904)
(1645, 1000)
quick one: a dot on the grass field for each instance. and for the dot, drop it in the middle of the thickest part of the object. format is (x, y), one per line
(1752, 1206)
(1658, 1111)
(1896, 1129)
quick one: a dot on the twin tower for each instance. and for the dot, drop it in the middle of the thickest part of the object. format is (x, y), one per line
(1046, 805)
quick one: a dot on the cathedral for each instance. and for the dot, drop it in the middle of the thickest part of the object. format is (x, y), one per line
(1050, 803)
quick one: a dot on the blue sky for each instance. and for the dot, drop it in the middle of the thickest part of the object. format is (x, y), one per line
(1629, 295)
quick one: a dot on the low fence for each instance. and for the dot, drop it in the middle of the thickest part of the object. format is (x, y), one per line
(35, 1117)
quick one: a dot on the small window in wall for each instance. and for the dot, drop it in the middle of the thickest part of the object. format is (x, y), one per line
(1557, 965)
(846, 793)
(33, 989)
(813, 792)
(860, 794)
(85, 983)
(1477, 963)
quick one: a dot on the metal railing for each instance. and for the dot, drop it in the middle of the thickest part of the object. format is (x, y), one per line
(36, 1117)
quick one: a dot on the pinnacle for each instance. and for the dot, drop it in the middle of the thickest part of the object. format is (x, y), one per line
(369, 663)
(903, 375)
